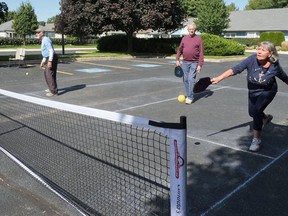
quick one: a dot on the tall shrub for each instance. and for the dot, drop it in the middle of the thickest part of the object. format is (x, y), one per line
(275, 37)
(218, 46)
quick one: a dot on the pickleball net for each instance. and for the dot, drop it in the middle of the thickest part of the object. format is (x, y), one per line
(104, 163)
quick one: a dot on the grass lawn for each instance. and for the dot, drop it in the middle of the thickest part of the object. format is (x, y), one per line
(92, 53)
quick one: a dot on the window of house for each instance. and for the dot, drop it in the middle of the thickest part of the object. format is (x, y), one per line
(229, 35)
(252, 35)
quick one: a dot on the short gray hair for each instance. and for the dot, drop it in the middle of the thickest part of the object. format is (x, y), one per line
(192, 24)
(272, 49)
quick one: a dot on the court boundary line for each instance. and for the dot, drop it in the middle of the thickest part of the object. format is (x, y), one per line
(144, 105)
(234, 148)
(154, 62)
(103, 65)
(66, 73)
(244, 183)
(119, 82)
(156, 102)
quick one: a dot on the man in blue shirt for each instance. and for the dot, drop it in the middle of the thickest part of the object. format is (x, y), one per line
(49, 63)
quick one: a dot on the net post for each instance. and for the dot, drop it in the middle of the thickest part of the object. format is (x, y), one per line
(178, 169)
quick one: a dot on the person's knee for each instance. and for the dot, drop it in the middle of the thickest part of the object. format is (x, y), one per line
(257, 112)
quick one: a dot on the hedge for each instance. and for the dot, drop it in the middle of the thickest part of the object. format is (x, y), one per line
(213, 45)
(33, 41)
(275, 37)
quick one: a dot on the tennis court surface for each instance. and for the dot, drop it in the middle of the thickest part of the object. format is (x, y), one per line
(223, 177)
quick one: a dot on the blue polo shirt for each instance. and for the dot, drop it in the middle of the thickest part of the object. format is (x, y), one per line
(47, 48)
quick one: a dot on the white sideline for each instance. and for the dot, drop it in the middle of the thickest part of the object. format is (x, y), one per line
(244, 184)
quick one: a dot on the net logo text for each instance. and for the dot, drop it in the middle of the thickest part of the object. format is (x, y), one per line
(179, 161)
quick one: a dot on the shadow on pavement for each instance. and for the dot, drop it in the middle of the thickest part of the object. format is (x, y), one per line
(71, 88)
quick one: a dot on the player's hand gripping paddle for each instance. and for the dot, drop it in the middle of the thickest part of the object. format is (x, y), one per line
(178, 71)
(202, 84)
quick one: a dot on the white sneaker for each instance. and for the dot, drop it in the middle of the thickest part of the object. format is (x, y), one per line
(47, 90)
(49, 94)
(188, 101)
(255, 145)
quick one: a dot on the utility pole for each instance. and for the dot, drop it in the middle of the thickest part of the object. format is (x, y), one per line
(62, 29)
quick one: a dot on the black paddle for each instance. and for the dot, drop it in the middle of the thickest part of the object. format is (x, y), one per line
(202, 84)
(178, 71)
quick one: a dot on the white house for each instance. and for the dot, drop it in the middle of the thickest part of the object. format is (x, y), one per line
(251, 23)
(7, 31)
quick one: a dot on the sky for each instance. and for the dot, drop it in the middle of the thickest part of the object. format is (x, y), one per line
(45, 9)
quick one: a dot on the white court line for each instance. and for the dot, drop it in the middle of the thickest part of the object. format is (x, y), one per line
(148, 104)
(236, 149)
(120, 82)
(67, 73)
(143, 105)
(244, 184)
(104, 65)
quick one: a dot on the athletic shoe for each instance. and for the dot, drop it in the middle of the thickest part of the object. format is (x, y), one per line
(267, 120)
(47, 90)
(188, 101)
(49, 94)
(255, 145)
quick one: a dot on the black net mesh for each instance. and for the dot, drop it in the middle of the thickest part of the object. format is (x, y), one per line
(102, 166)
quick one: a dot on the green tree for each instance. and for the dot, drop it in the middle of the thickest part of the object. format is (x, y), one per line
(190, 7)
(259, 4)
(280, 3)
(42, 23)
(232, 7)
(213, 17)
(82, 17)
(77, 16)
(3, 11)
(10, 15)
(266, 4)
(51, 19)
(25, 21)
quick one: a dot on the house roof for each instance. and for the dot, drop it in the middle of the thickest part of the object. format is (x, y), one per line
(259, 20)
(7, 26)
(49, 27)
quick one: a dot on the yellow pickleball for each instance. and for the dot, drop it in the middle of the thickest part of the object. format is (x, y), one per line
(181, 98)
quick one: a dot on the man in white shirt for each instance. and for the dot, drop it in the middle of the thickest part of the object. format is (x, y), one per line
(49, 63)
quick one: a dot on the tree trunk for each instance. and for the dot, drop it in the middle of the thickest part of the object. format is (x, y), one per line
(130, 42)
(24, 40)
